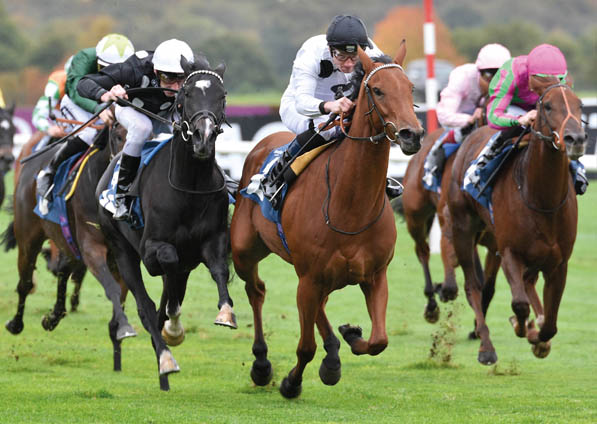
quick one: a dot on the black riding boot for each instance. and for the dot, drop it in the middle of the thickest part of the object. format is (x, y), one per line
(273, 182)
(126, 175)
(45, 178)
(393, 188)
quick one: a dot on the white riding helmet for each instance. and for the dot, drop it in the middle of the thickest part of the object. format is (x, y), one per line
(113, 48)
(166, 57)
(492, 56)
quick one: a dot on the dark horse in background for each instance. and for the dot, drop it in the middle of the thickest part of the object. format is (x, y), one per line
(535, 217)
(351, 242)
(7, 133)
(419, 207)
(28, 232)
(185, 209)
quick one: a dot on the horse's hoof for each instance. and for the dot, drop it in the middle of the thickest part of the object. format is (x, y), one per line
(487, 358)
(288, 390)
(350, 332)
(329, 376)
(49, 323)
(447, 295)
(472, 335)
(226, 317)
(14, 327)
(172, 339)
(125, 331)
(262, 375)
(168, 364)
(541, 349)
(431, 316)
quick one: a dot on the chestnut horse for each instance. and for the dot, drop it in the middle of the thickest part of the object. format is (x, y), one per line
(535, 217)
(419, 207)
(338, 223)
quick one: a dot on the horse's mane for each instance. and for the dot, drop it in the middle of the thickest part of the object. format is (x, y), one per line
(359, 74)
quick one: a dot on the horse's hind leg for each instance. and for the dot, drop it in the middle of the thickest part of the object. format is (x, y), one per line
(77, 279)
(309, 301)
(330, 369)
(50, 322)
(448, 290)
(376, 297)
(513, 269)
(492, 266)
(28, 250)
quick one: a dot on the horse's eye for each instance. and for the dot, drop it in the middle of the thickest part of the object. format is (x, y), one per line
(377, 91)
(547, 107)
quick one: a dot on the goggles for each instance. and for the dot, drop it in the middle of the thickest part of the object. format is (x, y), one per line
(170, 77)
(487, 74)
(343, 56)
(561, 77)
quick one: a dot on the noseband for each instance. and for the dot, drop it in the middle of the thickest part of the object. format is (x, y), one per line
(372, 107)
(187, 128)
(554, 138)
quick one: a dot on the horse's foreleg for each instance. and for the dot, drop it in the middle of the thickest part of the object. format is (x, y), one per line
(553, 290)
(77, 279)
(215, 255)
(51, 320)
(330, 369)
(376, 297)
(531, 290)
(175, 288)
(309, 301)
(514, 271)
(448, 290)
(492, 266)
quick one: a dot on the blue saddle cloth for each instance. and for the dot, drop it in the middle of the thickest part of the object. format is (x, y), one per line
(253, 191)
(483, 174)
(432, 181)
(57, 212)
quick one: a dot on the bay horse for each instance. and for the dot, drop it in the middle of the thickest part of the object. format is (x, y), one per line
(338, 223)
(419, 207)
(7, 133)
(534, 217)
(185, 209)
(28, 232)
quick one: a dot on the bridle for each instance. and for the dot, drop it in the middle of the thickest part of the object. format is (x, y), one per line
(554, 138)
(187, 127)
(373, 107)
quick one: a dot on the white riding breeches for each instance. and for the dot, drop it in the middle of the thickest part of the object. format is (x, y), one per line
(70, 110)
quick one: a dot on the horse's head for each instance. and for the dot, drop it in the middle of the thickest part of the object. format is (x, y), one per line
(201, 102)
(559, 118)
(7, 133)
(386, 92)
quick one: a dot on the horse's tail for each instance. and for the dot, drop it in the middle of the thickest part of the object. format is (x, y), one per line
(8, 237)
(398, 206)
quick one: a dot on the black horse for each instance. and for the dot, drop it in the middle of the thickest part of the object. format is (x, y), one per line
(7, 133)
(28, 231)
(185, 209)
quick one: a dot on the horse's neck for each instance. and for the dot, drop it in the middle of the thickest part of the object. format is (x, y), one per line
(546, 175)
(187, 171)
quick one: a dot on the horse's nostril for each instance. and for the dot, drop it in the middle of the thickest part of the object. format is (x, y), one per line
(405, 134)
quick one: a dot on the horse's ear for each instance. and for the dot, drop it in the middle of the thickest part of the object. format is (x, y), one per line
(186, 65)
(220, 69)
(401, 53)
(365, 60)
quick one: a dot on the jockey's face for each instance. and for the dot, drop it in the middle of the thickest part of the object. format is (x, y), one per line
(344, 61)
(170, 80)
(485, 76)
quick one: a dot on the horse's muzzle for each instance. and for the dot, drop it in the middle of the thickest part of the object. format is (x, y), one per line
(410, 140)
(204, 138)
(576, 144)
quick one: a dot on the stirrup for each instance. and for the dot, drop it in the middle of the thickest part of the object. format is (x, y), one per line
(123, 209)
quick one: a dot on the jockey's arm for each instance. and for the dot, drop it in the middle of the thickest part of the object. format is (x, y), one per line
(501, 92)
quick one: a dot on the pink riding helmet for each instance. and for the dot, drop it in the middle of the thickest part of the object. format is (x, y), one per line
(492, 56)
(546, 59)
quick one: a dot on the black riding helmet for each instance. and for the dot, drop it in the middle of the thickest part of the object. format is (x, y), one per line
(345, 32)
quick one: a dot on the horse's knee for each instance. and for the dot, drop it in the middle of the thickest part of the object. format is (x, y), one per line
(159, 257)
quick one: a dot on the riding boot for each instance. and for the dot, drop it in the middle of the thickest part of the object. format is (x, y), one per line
(579, 176)
(126, 176)
(273, 182)
(393, 188)
(45, 177)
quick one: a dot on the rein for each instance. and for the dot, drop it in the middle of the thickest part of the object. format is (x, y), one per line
(376, 139)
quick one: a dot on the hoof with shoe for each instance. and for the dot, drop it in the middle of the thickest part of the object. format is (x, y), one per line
(487, 358)
(168, 364)
(173, 336)
(288, 390)
(125, 331)
(542, 349)
(262, 375)
(328, 375)
(226, 317)
(431, 315)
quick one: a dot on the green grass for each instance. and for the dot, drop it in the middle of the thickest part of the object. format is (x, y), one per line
(65, 376)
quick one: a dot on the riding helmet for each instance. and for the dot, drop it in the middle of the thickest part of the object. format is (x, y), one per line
(166, 57)
(492, 56)
(113, 48)
(346, 32)
(546, 59)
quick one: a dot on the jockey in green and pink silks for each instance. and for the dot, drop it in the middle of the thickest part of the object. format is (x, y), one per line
(510, 86)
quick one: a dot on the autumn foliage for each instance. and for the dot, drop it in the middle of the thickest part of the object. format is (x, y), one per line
(406, 22)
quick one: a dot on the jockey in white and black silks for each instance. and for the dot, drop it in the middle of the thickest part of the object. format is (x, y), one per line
(160, 68)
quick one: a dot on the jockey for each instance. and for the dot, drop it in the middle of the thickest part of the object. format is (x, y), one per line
(159, 68)
(512, 104)
(50, 100)
(460, 104)
(113, 48)
(323, 64)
